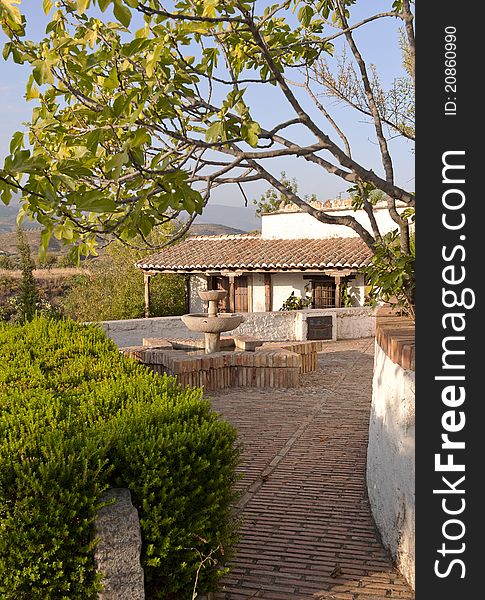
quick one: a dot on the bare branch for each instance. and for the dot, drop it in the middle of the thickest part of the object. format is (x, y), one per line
(386, 157)
(409, 25)
(320, 215)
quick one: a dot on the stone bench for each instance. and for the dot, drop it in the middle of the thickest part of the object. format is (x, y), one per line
(248, 343)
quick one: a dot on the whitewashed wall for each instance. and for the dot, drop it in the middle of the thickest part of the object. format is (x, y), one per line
(301, 225)
(259, 295)
(356, 290)
(390, 459)
(285, 283)
(197, 283)
(349, 323)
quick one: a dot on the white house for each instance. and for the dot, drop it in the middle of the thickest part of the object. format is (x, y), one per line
(295, 253)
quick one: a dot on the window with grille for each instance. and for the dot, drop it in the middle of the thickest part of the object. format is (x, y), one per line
(323, 293)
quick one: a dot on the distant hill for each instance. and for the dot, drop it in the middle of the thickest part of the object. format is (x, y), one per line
(8, 241)
(8, 217)
(213, 229)
(239, 217)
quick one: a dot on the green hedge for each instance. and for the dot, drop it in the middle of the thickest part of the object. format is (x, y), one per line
(77, 417)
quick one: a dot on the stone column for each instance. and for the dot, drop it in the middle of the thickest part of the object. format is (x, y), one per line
(117, 555)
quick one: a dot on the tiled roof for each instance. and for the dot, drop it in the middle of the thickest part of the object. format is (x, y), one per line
(252, 253)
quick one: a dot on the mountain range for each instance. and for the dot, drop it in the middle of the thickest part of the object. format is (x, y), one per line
(216, 220)
(235, 217)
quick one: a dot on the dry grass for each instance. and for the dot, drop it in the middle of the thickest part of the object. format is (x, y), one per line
(47, 274)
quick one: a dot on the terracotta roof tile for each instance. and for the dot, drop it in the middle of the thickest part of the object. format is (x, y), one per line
(252, 253)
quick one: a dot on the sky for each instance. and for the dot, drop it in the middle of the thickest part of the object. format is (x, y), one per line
(378, 43)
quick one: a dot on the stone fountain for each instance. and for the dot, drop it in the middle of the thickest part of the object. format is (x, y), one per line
(244, 360)
(212, 323)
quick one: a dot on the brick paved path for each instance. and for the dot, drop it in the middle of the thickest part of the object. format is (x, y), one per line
(308, 532)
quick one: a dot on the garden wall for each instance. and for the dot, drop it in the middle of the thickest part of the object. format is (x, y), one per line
(348, 323)
(390, 456)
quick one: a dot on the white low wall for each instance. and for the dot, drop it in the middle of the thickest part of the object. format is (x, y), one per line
(348, 323)
(390, 459)
(275, 326)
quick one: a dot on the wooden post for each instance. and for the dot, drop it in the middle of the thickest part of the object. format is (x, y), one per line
(146, 278)
(232, 294)
(338, 295)
(187, 293)
(268, 300)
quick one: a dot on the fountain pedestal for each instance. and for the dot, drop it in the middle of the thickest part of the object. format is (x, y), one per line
(212, 342)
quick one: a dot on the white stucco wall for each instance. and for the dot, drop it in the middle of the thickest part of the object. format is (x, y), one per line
(291, 225)
(131, 332)
(349, 323)
(197, 283)
(357, 290)
(355, 323)
(268, 326)
(390, 459)
(259, 296)
(285, 283)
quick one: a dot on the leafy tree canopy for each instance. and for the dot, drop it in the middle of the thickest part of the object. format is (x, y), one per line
(141, 112)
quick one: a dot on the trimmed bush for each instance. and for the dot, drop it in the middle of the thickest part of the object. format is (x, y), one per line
(77, 417)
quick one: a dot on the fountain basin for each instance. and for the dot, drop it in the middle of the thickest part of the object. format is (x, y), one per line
(206, 323)
(212, 295)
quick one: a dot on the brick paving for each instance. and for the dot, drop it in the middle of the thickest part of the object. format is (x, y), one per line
(307, 529)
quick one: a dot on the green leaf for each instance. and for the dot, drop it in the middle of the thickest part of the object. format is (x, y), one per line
(21, 214)
(5, 192)
(122, 13)
(47, 6)
(42, 72)
(13, 13)
(17, 142)
(214, 131)
(140, 138)
(210, 8)
(116, 161)
(120, 104)
(31, 91)
(305, 15)
(111, 82)
(103, 4)
(20, 159)
(92, 140)
(45, 237)
(250, 132)
(7, 49)
(94, 202)
(82, 5)
(152, 59)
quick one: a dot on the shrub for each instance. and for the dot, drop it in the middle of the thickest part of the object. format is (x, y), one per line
(7, 262)
(115, 289)
(391, 275)
(296, 303)
(77, 417)
(28, 297)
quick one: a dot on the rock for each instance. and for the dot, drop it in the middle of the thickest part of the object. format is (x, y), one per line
(117, 555)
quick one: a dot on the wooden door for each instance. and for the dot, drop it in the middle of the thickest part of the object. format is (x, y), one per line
(241, 303)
